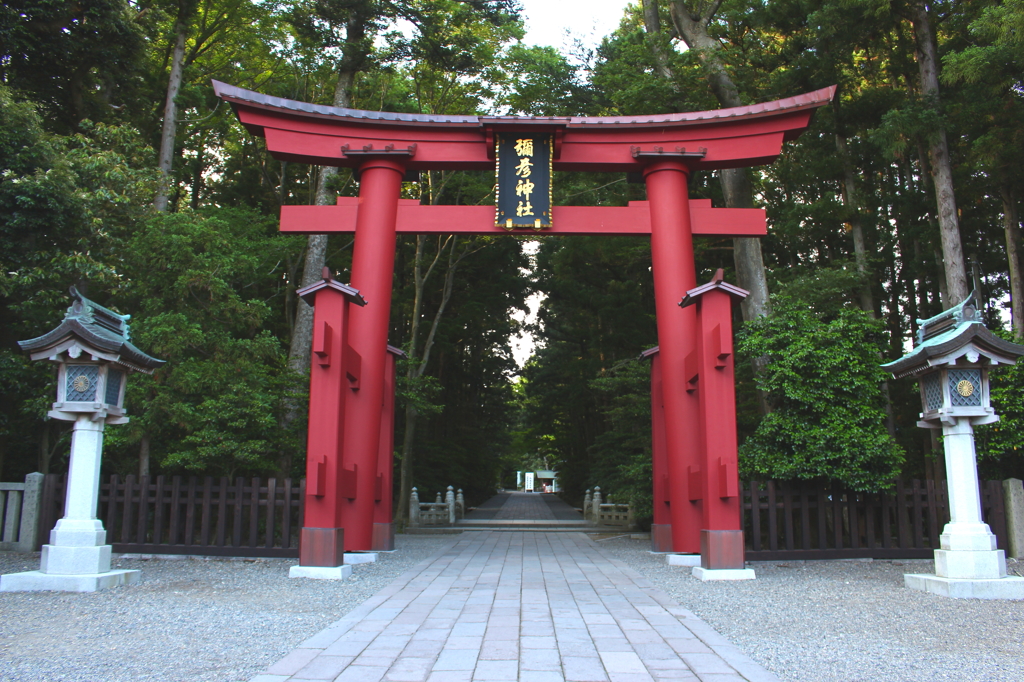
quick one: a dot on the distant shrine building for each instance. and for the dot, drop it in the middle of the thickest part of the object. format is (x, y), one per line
(696, 484)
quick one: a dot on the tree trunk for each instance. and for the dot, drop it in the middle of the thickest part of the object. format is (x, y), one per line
(405, 475)
(746, 251)
(860, 251)
(1011, 227)
(144, 455)
(43, 463)
(316, 248)
(652, 25)
(167, 135)
(938, 153)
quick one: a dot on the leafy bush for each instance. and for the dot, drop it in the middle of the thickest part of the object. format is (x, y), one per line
(823, 381)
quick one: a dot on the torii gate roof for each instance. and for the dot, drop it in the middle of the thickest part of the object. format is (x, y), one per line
(335, 136)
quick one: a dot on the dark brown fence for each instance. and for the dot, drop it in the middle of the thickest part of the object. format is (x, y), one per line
(203, 516)
(817, 521)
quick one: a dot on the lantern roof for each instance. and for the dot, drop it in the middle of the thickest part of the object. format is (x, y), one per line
(952, 334)
(328, 282)
(95, 330)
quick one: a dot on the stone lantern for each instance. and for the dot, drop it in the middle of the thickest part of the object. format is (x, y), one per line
(93, 354)
(951, 361)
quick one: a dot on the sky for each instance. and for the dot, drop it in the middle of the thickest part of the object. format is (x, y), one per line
(548, 20)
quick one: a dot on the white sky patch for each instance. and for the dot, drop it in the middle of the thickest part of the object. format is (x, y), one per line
(524, 343)
(558, 22)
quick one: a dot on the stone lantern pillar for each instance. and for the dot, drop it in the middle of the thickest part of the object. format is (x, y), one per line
(951, 360)
(93, 354)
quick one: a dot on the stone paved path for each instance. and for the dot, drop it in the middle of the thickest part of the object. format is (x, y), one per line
(526, 507)
(518, 607)
(522, 511)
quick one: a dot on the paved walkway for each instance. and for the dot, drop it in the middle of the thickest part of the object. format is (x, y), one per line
(513, 511)
(518, 607)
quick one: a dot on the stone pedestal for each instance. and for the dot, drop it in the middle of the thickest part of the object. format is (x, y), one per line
(320, 572)
(682, 559)
(707, 574)
(968, 565)
(77, 559)
(360, 557)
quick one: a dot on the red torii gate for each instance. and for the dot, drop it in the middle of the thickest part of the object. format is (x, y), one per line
(382, 147)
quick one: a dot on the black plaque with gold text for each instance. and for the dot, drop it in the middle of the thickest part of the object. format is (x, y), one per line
(523, 174)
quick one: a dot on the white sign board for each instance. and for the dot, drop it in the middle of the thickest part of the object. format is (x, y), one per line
(528, 487)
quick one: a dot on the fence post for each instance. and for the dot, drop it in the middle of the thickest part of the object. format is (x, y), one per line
(414, 508)
(30, 511)
(1013, 492)
(460, 503)
(630, 518)
(449, 499)
(586, 506)
(597, 504)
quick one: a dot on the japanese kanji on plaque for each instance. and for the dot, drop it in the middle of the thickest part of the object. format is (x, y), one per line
(523, 174)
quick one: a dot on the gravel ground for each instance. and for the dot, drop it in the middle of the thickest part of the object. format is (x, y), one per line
(848, 621)
(190, 619)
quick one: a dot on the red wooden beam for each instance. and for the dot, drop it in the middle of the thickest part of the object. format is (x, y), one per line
(416, 218)
(726, 138)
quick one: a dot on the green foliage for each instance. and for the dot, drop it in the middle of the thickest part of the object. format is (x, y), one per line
(823, 380)
(622, 454)
(76, 59)
(200, 286)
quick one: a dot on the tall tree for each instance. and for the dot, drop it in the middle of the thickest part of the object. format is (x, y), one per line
(938, 154)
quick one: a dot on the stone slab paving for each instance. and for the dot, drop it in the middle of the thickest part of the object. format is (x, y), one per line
(526, 507)
(518, 607)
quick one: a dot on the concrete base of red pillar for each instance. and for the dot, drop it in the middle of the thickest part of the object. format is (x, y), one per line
(661, 537)
(322, 547)
(721, 549)
(383, 537)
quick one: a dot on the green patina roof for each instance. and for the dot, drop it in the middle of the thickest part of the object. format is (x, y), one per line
(947, 331)
(98, 326)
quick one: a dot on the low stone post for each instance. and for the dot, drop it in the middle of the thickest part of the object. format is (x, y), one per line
(630, 518)
(414, 508)
(597, 504)
(586, 505)
(449, 499)
(1013, 490)
(460, 503)
(438, 500)
(30, 508)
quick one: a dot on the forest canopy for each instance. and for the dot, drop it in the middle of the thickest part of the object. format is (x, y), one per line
(121, 173)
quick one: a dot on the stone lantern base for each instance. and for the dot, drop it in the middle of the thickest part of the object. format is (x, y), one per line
(34, 581)
(76, 560)
(1008, 587)
(968, 567)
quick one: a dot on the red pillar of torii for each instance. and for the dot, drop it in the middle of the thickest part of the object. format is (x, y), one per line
(382, 147)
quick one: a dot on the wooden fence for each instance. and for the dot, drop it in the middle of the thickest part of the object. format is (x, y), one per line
(262, 518)
(202, 516)
(816, 521)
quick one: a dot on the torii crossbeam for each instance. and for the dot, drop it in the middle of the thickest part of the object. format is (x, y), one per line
(382, 147)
